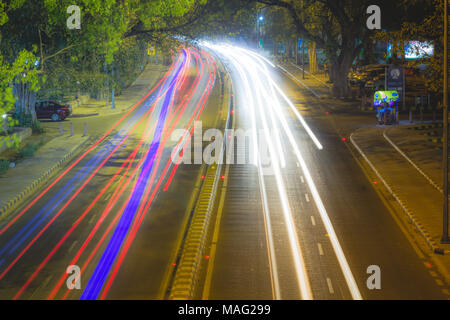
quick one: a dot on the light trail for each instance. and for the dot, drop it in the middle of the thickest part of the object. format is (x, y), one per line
(147, 201)
(97, 279)
(113, 199)
(103, 216)
(141, 214)
(77, 192)
(19, 237)
(259, 92)
(254, 66)
(84, 154)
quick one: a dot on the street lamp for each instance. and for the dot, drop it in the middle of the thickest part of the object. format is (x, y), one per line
(259, 20)
(445, 238)
(258, 29)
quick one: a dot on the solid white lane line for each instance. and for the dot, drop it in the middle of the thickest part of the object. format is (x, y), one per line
(306, 197)
(303, 180)
(269, 233)
(313, 221)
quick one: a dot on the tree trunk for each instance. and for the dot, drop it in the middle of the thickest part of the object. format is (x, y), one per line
(312, 53)
(339, 69)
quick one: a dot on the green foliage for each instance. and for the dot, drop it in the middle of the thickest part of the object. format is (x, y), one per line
(4, 166)
(29, 149)
(430, 29)
(74, 61)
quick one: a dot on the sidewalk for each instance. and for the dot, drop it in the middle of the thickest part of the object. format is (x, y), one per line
(410, 167)
(130, 96)
(30, 174)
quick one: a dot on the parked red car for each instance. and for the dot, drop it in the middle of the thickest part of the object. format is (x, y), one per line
(52, 110)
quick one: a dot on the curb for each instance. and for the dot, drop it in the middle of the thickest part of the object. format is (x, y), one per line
(44, 178)
(430, 242)
(292, 77)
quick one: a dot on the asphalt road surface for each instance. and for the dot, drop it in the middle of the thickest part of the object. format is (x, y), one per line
(91, 212)
(300, 219)
(255, 258)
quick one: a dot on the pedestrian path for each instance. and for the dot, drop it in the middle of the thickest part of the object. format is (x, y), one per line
(31, 173)
(130, 96)
(418, 197)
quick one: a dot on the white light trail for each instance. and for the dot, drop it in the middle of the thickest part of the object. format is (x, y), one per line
(253, 71)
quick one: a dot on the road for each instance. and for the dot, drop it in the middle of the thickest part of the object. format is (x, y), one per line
(337, 232)
(90, 214)
(299, 217)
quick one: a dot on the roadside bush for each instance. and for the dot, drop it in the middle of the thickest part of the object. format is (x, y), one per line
(4, 166)
(28, 150)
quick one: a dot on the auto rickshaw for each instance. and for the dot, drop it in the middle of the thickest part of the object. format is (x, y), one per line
(385, 105)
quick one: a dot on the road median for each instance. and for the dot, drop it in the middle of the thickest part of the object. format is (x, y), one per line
(191, 255)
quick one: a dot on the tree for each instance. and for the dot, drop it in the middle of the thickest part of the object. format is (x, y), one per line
(427, 30)
(83, 59)
(336, 26)
(26, 81)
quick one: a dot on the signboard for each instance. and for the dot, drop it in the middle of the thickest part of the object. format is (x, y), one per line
(395, 79)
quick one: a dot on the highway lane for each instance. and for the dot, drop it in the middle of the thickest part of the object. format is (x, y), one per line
(123, 168)
(281, 209)
(369, 233)
(366, 231)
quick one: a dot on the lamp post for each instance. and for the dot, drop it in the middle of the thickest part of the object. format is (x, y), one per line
(303, 44)
(445, 238)
(258, 28)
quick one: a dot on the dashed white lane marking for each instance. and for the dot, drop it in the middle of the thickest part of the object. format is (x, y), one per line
(313, 221)
(301, 178)
(298, 165)
(306, 197)
(320, 249)
(46, 281)
(92, 219)
(73, 245)
(330, 286)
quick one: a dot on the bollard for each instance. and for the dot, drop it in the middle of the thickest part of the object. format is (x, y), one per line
(71, 129)
(85, 129)
(61, 132)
